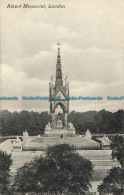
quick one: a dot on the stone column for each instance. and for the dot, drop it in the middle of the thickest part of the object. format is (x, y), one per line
(53, 120)
(1, 125)
(65, 119)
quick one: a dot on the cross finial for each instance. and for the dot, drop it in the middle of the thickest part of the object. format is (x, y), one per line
(58, 44)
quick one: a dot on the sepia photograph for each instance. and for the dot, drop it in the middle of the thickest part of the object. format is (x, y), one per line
(61, 97)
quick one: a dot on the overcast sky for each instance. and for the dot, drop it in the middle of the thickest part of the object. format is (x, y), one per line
(91, 33)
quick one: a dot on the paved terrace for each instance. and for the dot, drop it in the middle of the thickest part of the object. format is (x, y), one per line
(43, 142)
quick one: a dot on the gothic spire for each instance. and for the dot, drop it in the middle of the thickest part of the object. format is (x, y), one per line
(59, 80)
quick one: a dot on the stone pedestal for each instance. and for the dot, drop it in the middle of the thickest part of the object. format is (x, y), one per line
(17, 145)
(65, 120)
(58, 132)
(53, 120)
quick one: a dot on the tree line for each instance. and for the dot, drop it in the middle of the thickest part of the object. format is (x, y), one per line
(15, 123)
(34, 122)
(98, 122)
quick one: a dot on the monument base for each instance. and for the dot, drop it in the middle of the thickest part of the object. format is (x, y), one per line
(59, 132)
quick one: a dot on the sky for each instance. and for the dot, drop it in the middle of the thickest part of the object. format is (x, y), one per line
(91, 33)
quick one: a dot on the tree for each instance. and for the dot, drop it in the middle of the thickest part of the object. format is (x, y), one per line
(117, 146)
(73, 172)
(113, 182)
(5, 163)
(62, 170)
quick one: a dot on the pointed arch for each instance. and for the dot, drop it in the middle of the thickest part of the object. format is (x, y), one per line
(61, 105)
